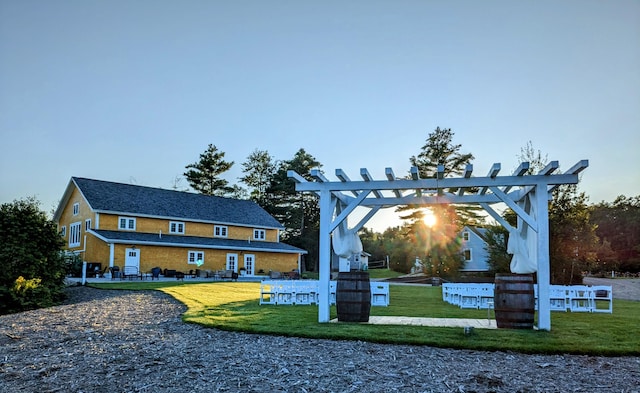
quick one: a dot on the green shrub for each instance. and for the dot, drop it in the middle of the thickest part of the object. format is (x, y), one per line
(33, 267)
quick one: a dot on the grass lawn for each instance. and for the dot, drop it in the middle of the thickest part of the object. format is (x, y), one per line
(234, 306)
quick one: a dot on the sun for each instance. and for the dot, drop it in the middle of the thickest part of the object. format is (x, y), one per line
(429, 218)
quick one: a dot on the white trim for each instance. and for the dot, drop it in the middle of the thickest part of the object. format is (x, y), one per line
(112, 249)
(75, 234)
(87, 224)
(191, 245)
(259, 234)
(464, 254)
(195, 254)
(252, 271)
(223, 229)
(76, 208)
(177, 225)
(128, 221)
(228, 265)
(63, 231)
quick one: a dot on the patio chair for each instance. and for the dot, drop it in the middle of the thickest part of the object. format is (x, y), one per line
(155, 273)
(115, 272)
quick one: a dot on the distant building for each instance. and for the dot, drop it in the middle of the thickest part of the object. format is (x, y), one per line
(474, 241)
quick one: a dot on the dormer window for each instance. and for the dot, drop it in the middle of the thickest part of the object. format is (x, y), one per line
(127, 223)
(76, 209)
(259, 234)
(176, 227)
(220, 231)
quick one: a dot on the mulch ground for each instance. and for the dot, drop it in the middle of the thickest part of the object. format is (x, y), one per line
(134, 341)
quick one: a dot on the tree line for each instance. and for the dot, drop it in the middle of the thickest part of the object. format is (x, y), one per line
(596, 238)
(584, 237)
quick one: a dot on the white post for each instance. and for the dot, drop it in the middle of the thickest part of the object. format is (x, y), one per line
(111, 254)
(544, 275)
(324, 294)
(84, 272)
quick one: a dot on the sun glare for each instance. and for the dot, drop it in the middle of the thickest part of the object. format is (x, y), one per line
(429, 218)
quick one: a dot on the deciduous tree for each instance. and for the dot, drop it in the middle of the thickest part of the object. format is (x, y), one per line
(618, 227)
(299, 212)
(259, 169)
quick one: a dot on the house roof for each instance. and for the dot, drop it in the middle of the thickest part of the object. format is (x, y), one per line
(137, 238)
(118, 198)
(481, 232)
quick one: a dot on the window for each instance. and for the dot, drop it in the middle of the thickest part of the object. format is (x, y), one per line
(76, 209)
(220, 231)
(63, 231)
(465, 236)
(195, 256)
(259, 234)
(232, 262)
(127, 223)
(176, 227)
(87, 224)
(467, 255)
(74, 234)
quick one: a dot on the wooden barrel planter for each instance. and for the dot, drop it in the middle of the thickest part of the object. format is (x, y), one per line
(514, 301)
(353, 296)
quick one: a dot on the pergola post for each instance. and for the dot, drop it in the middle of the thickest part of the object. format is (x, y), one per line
(526, 195)
(542, 253)
(326, 213)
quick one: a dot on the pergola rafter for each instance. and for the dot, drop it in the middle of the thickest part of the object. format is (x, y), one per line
(526, 195)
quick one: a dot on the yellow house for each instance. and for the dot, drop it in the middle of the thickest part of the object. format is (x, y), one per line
(115, 224)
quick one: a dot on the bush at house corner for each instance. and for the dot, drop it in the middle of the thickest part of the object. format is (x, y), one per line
(32, 268)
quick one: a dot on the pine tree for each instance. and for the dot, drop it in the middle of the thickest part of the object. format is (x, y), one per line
(204, 175)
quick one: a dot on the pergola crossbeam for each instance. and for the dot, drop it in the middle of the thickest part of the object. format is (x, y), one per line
(529, 200)
(340, 174)
(391, 177)
(367, 177)
(574, 170)
(468, 170)
(520, 171)
(493, 172)
(415, 175)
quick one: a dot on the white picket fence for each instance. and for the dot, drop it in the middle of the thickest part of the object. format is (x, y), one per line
(306, 292)
(574, 298)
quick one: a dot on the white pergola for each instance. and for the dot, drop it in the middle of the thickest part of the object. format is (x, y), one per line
(526, 195)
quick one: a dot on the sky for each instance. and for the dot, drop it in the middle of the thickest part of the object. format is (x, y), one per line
(133, 91)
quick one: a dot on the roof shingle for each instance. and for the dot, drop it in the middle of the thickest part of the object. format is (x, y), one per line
(104, 196)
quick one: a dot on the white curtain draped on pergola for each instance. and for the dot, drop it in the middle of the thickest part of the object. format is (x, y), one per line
(527, 195)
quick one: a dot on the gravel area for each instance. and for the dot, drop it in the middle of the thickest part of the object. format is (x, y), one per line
(134, 341)
(623, 288)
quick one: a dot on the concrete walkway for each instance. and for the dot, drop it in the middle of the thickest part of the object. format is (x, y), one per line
(433, 322)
